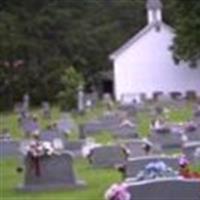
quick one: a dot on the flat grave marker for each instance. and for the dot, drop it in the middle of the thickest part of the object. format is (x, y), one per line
(107, 156)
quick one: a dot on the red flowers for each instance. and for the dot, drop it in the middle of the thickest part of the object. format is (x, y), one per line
(186, 172)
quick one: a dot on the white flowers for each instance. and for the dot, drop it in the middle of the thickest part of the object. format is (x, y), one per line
(127, 122)
(87, 148)
(117, 192)
(39, 148)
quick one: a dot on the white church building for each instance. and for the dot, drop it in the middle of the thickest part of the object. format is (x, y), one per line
(145, 64)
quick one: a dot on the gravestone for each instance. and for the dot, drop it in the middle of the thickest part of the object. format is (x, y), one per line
(197, 157)
(110, 120)
(90, 128)
(162, 130)
(25, 104)
(74, 147)
(9, 148)
(56, 172)
(50, 135)
(189, 149)
(82, 132)
(29, 126)
(193, 134)
(107, 156)
(197, 113)
(136, 148)
(18, 108)
(164, 99)
(166, 141)
(165, 189)
(135, 165)
(22, 111)
(130, 109)
(46, 110)
(66, 124)
(125, 132)
(80, 98)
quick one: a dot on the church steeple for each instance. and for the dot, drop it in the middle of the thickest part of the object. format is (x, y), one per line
(154, 10)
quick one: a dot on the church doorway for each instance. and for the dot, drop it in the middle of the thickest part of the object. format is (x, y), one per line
(108, 87)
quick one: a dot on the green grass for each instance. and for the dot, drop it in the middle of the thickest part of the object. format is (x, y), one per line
(103, 138)
(143, 120)
(175, 114)
(97, 180)
(181, 115)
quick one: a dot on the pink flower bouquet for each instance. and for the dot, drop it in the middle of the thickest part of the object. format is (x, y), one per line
(117, 192)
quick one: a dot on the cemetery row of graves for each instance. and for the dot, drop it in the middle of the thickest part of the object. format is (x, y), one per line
(144, 150)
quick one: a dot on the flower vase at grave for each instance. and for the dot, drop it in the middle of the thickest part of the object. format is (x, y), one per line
(36, 165)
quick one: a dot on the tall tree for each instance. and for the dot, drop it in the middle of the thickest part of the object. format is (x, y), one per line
(187, 27)
(40, 39)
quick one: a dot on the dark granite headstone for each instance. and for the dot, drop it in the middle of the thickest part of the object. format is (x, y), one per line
(74, 147)
(9, 148)
(111, 119)
(166, 140)
(91, 128)
(130, 109)
(137, 148)
(125, 132)
(135, 165)
(50, 135)
(56, 172)
(197, 113)
(110, 123)
(29, 126)
(165, 189)
(193, 134)
(107, 156)
(82, 133)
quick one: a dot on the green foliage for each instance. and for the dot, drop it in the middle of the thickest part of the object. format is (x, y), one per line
(70, 81)
(187, 27)
(49, 35)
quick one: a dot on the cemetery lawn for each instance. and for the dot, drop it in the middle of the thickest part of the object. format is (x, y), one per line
(98, 180)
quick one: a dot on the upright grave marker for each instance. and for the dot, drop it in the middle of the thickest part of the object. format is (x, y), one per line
(55, 172)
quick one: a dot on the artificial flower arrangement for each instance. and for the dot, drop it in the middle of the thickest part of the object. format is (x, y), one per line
(117, 192)
(38, 149)
(190, 126)
(185, 170)
(157, 169)
(89, 145)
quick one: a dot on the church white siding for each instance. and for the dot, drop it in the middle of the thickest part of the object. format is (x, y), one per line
(147, 66)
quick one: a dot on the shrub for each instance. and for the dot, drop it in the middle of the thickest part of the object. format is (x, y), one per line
(70, 81)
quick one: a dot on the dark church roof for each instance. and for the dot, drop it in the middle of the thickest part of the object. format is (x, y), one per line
(154, 4)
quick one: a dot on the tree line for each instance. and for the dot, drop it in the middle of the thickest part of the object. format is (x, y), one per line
(40, 40)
